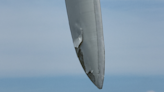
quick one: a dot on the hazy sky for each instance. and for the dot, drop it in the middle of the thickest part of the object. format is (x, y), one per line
(35, 38)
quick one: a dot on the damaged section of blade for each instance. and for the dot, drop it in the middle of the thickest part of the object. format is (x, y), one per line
(91, 76)
(80, 56)
(78, 39)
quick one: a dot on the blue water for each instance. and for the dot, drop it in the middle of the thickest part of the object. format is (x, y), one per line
(82, 84)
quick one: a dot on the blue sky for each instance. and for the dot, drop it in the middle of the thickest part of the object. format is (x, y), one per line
(35, 39)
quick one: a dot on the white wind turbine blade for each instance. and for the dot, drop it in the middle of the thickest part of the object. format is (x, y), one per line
(87, 32)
